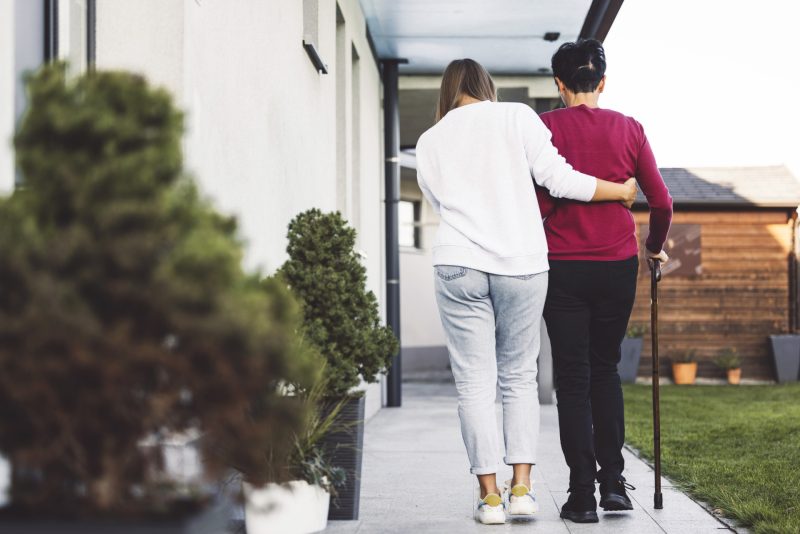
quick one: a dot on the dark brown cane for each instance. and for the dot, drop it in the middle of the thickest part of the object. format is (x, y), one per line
(655, 277)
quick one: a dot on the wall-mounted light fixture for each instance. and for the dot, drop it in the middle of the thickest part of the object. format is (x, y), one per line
(313, 54)
(311, 34)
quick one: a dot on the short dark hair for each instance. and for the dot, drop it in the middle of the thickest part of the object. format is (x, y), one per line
(580, 65)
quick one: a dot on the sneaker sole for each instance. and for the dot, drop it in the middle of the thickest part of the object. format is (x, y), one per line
(491, 519)
(580, 517)
(615, 503)
(523, 508)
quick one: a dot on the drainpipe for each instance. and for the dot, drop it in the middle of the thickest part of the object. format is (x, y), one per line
(391, 127)
(794, 275)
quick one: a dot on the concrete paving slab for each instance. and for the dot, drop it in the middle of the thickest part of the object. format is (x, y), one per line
(416, 479)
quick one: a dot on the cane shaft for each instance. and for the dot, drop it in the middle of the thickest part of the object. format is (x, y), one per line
(655, 276)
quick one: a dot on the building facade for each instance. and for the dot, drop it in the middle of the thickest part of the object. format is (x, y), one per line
(284, 107)
(273, 127)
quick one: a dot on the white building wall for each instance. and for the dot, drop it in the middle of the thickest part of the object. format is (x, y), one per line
(262, 123)
(144, 36)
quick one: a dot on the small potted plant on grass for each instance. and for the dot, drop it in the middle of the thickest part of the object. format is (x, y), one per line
(631, 353)
(728, 360)
(341, 319)
(684, 367)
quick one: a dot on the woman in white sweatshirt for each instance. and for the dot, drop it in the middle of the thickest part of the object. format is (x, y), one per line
(477, 167)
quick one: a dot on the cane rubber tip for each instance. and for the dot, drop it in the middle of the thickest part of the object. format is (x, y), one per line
(658, 501)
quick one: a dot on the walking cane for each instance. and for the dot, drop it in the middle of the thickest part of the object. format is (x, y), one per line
(655, 277)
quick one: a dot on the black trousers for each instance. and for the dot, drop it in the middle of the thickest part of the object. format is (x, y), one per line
(587, 310)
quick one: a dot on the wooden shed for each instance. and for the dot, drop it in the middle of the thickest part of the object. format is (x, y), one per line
(733, 275)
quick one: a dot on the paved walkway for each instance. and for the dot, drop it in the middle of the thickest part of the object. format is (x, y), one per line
(416, 479)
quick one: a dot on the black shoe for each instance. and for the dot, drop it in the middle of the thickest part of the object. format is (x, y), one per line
(613, 496)
(581, 507)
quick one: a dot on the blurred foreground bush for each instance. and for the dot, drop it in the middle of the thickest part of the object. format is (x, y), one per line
(124, 312)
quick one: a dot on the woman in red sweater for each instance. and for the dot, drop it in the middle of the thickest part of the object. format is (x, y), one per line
(593, 255)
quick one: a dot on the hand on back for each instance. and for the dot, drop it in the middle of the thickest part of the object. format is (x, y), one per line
(630, 183)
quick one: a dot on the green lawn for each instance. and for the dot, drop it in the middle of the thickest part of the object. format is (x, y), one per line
(735, 447)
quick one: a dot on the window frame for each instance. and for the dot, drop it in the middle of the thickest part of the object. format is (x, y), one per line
(51, 33)
(417, 223)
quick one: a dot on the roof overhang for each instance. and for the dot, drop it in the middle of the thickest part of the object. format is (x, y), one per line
(506, 36)
(726, 188)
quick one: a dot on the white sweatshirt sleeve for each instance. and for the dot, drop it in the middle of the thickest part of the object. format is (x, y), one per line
(425, 189)
(548, 167)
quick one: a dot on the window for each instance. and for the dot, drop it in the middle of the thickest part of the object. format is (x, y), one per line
(70, 33)
(409, 223)
(684, 247)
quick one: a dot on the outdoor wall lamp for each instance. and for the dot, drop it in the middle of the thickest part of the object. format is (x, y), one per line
(313, 54)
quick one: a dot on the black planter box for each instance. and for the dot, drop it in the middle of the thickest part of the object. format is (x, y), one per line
(344, 447)
(214, 520)
(786, 356)
(628, 366)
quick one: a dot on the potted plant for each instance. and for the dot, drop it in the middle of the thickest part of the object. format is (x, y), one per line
(684, 367)
(300, 505)
(125, 320)
(728, 360)
(341, 319)
(786, 356)
(631, 353)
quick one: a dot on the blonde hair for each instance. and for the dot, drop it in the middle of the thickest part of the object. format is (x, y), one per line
(464, 77)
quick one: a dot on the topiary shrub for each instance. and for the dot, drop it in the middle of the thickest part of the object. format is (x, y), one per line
(340, 315)
(124, 311)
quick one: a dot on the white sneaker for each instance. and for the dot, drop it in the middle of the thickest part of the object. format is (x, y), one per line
(490, 510)
(520, 499)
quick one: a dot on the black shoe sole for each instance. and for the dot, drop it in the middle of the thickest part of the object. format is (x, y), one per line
(615, 503)
(580, 517)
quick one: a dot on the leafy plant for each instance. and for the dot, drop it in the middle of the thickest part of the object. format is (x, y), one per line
(728, 358)
(341, 315)
(309, 461)
(124, 311)
(685, 356)
(636, 330)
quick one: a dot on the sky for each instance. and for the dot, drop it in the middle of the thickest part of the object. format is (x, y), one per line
(713, 82)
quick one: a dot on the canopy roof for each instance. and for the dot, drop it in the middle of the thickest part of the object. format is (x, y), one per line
(506, 36)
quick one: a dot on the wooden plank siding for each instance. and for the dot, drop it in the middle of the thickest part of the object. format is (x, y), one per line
(741, 297)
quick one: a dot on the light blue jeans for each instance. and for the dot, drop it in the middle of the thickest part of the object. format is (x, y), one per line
(492, 327)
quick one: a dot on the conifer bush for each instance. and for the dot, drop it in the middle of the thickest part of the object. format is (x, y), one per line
(340, 315)
(124, 310)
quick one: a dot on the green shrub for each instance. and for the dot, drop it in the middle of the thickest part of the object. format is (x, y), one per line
(124, 311)
(728, 358)
(341, 316)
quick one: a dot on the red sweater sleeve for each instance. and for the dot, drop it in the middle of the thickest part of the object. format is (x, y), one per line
(657, 194)
(546, 201)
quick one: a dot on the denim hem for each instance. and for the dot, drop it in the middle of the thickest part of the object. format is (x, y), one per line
(488, 470)
(511, 460)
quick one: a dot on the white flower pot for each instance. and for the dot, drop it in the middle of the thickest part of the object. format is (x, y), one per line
(293, 508)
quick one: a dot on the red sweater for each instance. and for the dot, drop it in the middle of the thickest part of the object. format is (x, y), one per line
(610, 146)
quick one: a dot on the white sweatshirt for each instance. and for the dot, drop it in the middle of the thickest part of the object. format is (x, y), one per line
(475, 167)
